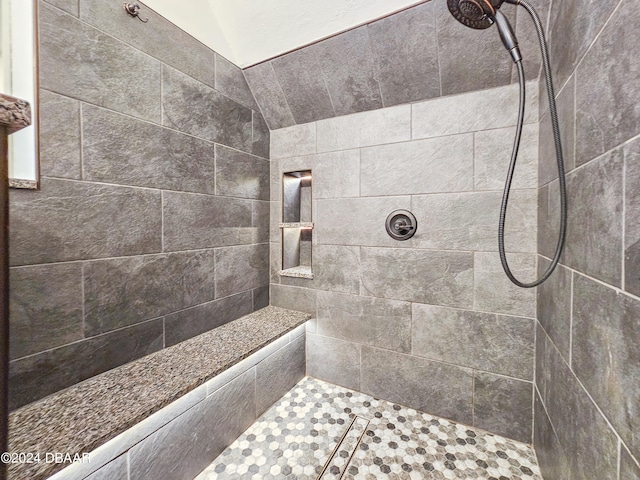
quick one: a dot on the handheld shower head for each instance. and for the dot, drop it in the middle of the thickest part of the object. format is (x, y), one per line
(476, 14)
(481, 14)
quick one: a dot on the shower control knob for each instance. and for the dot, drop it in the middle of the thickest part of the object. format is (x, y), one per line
(401, 225)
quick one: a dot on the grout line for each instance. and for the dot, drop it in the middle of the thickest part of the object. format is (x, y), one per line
(286, 100)
(582, 390)
(438, 52)
(128, 459)
(428, 359)
(623, 282)
(571, 297)
(149, 320)
(473, 397)
(162, 246)
(81, 142)
(162, 94)
(596, 38)
(598, 281)
(535, 379)
(619, 459)
(84, 308)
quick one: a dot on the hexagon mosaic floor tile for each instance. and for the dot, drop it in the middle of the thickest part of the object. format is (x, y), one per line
(322, 431)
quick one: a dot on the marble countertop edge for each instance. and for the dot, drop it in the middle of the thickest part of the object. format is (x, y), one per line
(15, 114)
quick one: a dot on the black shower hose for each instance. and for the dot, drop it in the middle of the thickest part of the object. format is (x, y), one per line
(514, 155)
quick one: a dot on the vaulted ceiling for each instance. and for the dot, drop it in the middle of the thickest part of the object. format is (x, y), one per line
(247, 32)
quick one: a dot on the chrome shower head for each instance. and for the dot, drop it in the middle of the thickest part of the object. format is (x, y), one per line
(481, 14)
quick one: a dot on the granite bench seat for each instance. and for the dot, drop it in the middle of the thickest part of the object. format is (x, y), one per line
(86, 416)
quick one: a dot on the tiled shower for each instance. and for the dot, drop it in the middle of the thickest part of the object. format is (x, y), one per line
(160, 210)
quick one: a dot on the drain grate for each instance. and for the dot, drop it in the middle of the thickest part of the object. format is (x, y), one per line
(339, 459)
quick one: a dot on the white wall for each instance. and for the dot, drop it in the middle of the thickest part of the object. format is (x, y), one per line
(249, 31)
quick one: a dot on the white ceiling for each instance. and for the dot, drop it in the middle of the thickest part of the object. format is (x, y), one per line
(247, 32)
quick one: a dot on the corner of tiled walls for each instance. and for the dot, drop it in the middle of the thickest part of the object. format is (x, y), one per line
(587, 407)
(432, 322)
(152, 222)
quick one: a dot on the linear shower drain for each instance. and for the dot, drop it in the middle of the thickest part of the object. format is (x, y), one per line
(337, 463)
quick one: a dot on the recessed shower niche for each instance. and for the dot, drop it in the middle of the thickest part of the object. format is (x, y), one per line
(297, 224)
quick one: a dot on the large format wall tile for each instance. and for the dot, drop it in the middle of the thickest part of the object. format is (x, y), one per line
(59, 136)
(39, 375)
(153, 156)
(269, 95)
(595, 210)
(554, 305)
(194, 221)
(68, 220)
(386, 125)
(193, 321)
(439, 278)
(241, 268)
(337, 174)
(336, 268)
(261, 136)
(117, 469)
(279, 373)
(431, 387)
(483, 110)
(240, 175)
(483, 341)
(159, 37)
(494, 292)
(425, 166)
(366, 320)
(547, 166)
(334, 361)
(294, 298)
(503, 406)
(357, 221)
(231, 82)
(632, 213)
(573, 27)
(589, 444)
(406, 56)
(303, 85)
(260, 213)
(629, 468)
(347, 63)
(184, 447)
(464, 68)
(70, 6)
(81, 62)
(224, 121)
(293, 141)
(469, 221)
(551, 458)
(606, 354)
(125, 291)
(608, 85)
(45, 307)
(492, 153)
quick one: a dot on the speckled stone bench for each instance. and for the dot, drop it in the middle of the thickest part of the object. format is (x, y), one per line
(167, 415)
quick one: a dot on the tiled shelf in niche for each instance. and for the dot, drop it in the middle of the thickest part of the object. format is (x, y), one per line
(296, 225)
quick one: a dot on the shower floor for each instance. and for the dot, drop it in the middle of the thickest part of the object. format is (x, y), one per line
(322, 431)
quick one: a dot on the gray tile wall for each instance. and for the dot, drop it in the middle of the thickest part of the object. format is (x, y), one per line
(152, 224)
(414, 55)
(431, 322)
(588, 340)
